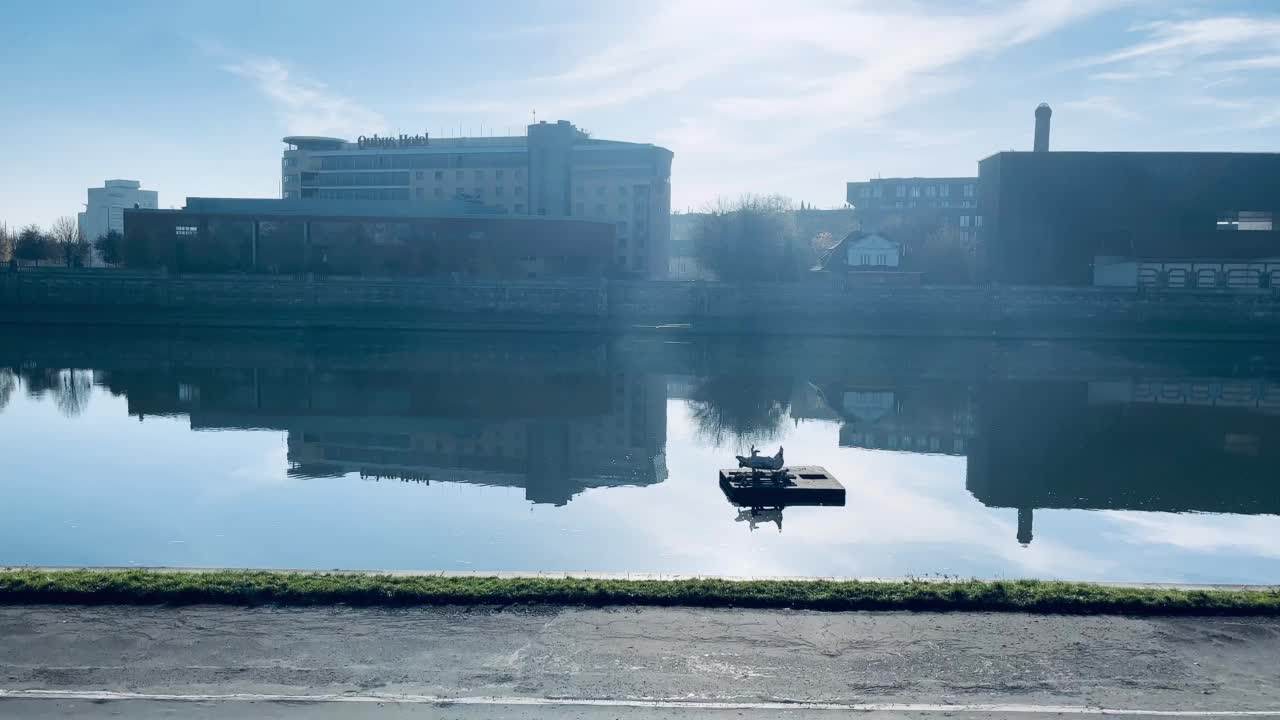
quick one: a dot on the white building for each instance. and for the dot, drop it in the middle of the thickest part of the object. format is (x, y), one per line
(105, 210)
(872, 251)
(554, 170)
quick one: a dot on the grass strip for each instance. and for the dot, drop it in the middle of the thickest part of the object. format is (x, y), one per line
(234, 587)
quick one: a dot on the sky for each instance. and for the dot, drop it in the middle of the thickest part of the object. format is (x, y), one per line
(756, 96)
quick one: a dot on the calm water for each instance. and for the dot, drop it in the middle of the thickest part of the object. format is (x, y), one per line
(470, 452)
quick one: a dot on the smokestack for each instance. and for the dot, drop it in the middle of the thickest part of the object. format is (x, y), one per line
(1043, 113)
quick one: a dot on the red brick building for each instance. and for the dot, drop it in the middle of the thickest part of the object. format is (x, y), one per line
(456, 239)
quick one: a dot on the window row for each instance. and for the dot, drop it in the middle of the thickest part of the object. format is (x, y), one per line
(514, 161)
(902, 190)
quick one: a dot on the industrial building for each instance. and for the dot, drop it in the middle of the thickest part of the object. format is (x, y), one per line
(935, 202)
(556, 170)
(457, 239)
(1154, 219)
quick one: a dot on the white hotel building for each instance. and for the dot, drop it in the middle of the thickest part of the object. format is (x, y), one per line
(555, 170)
(105, 208)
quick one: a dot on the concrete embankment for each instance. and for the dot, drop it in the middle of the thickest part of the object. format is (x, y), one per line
(98, 296)
(564, 662)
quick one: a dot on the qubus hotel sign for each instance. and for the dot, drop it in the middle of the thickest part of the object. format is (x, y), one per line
(392, 141)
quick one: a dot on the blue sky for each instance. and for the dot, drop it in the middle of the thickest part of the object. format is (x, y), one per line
(752, 96)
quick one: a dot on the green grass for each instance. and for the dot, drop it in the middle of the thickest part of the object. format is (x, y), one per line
(258, 587)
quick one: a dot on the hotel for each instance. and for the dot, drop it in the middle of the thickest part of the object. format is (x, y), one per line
(555, 170)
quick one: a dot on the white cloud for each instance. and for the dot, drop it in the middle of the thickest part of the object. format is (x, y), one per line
(1188, 40)
(745, 84)
(1251, 535)
(305, 106)
(1101, 105)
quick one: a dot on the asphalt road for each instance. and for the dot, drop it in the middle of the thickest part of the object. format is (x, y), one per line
(217, 662)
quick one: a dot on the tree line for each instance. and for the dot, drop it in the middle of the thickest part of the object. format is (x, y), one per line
(760, 237)
(62, 243)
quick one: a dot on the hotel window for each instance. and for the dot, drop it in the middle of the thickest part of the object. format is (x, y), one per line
(499, 174)
(877, 191)
(944, 191)
(902, 191)
(882, 260)
(186, 231)
(915, 191)
(968, 190)
(419, 175)
(964, 221)
(291, 162)
(439, 174)
(977, 221)
(930, 190)
(864, 192)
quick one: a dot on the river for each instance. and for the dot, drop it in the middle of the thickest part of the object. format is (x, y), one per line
(1120, 461)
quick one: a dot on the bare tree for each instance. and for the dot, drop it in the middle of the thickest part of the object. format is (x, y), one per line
(740, 410)
(71, 245)
(751, 239)
(72, 391)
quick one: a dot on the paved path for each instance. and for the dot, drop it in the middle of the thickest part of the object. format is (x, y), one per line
(216, 662)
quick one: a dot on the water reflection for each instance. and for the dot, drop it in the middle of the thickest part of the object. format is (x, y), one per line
(1035, 426)
(551, 431)
(1167, 444)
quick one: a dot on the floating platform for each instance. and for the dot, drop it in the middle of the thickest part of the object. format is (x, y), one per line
(802, 485)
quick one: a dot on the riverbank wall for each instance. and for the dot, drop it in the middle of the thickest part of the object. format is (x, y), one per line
(48, 296)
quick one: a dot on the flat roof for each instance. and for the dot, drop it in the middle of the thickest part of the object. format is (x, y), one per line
(479, 144)
(1186, 154)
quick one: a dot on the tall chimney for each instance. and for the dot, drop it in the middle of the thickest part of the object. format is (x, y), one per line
(1043, 113)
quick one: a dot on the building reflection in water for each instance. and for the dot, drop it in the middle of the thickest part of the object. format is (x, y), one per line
(554, 433)
(1157, 444)
(558, 417)
(1177, 444)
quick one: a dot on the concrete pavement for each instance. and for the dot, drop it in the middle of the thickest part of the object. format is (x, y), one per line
(64, 661)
